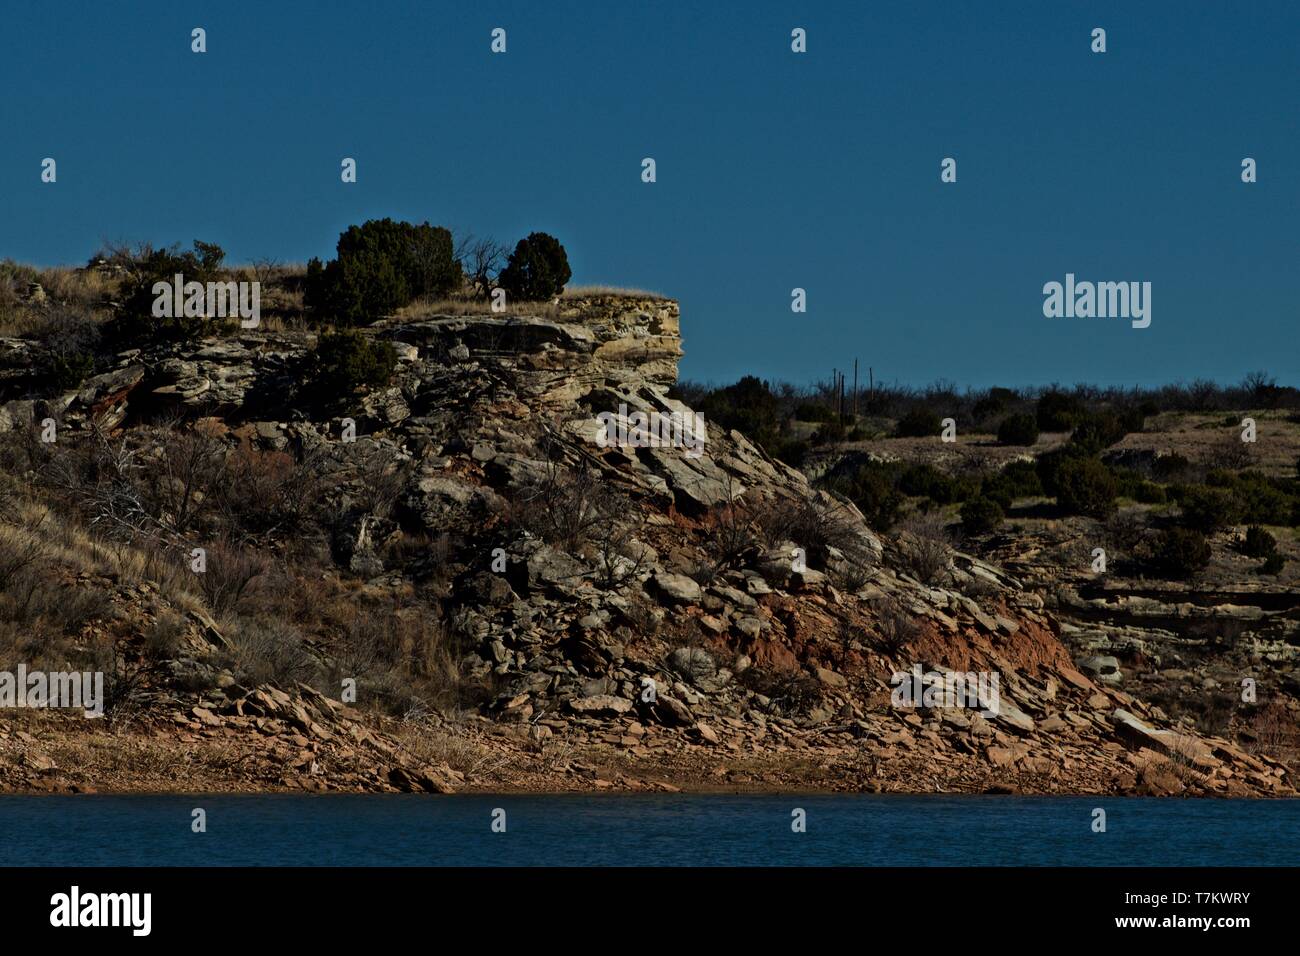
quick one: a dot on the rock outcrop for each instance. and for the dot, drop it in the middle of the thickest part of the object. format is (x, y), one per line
(673, 619)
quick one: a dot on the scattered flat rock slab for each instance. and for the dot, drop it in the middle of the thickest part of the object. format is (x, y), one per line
(678, 588)
(1008, 713)
(601, 705)
(1168, 742)
(1000, 756)
(707, 733)
(39, 761)
(830, 678)
(206, 717)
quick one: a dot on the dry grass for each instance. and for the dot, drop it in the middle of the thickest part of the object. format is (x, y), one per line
(438, 308)
(458, 748)
(613, 291)
(469, 306)
(63, 542)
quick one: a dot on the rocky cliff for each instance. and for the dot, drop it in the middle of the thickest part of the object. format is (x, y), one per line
(575, 613)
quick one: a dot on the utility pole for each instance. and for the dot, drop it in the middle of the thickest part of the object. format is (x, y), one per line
(855, 389)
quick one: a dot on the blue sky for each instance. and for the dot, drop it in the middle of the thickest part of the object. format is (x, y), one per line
(775, 170)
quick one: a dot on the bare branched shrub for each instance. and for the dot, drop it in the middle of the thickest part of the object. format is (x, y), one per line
(265, 269)
(896, 625)
(788, 692)
(566, 508)
(380, 479)
(811, 523)
(1273, 728)
(776, 519)
(164, 638)
(620, 558)
(269, 491)
(926, 546)
(127, 682)
(481, 259)
(192, 465)
(229, 570)
(104, 479)
(268, 651)
(1230, 453)
(731, 532)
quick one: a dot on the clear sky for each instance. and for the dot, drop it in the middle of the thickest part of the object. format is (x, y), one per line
(775, 170)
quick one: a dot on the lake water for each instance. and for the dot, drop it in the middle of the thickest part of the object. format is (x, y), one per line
(660, 830)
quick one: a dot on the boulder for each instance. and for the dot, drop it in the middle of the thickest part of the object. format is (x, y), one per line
(677, 588)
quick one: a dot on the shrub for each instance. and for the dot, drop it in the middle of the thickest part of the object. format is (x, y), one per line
(918, 423)
(135, 322)
(229, 572)
(925, 545)
(1169, 466)
(896, 625)
(1208, 509)
(1149, 493)
(1018, 430)
(1132, 419)
(925, 481)
(980, 515)
(814, 412)
(567, 508)
(1258, 543)
(65, 371)
(1094, 432)
(537, 270)
(832, 431)
(1085, 486)
(1273, 564)
(1058, 412)
(346, 361)
(164, 639)
(271, 650)
(1261, 501)
(1020, 478)
(381, 266)
(994, 403)
(1181, 552)
(1048, 467)
(747, 406)
(872, 487)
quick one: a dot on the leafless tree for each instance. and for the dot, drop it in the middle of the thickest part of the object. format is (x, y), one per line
(193, 466)
(481, 258)
(265, 268)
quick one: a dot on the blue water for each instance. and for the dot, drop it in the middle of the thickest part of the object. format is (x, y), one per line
(661, 830)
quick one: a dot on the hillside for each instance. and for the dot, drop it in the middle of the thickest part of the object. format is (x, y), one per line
(518, 604)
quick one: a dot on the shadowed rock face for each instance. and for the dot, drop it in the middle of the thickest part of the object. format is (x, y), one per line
(661, 613)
